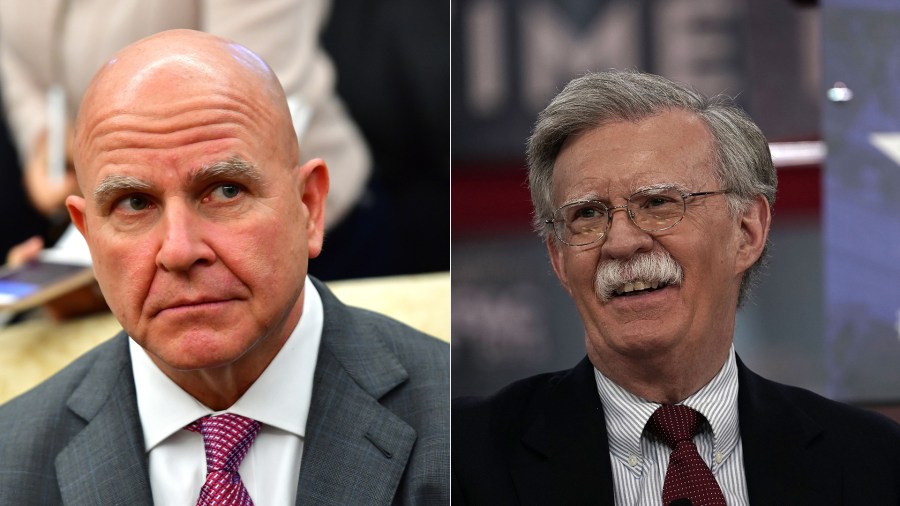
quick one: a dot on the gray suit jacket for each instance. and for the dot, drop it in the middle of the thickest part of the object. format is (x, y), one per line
(377, 433)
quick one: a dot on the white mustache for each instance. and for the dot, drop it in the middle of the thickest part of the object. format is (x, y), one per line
(654, 267)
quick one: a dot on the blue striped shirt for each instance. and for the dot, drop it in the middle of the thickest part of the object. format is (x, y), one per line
(639, 460)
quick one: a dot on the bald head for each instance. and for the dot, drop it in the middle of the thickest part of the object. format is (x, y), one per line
(180, 75)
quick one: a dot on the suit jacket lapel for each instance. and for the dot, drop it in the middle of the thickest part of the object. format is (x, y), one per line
(783, 462)
(355, 449)
(105, 462)
(565, 445)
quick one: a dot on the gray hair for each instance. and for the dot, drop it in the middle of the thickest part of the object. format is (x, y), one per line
(741, 153)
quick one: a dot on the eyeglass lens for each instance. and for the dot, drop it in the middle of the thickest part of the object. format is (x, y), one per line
(582, 223)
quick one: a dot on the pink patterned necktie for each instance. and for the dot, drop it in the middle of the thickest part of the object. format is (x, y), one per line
(688, 479)
(227, 439)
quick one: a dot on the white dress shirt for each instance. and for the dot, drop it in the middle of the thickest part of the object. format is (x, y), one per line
(639, 460)
(279, 400)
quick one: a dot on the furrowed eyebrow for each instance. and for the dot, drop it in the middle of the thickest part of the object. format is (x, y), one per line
(232, 168)
(115, 185)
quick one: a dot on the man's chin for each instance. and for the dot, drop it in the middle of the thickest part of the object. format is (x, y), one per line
(197, 351)
(637, 342)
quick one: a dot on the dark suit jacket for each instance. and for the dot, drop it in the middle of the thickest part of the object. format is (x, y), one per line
(543, 441)
(377, 433)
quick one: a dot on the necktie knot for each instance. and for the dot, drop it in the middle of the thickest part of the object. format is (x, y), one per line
(688, 479)
(227, 439)
(674, 424)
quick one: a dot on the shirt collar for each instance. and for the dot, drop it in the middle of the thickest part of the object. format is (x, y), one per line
(627, 414)
(280, 397)
(718, 402)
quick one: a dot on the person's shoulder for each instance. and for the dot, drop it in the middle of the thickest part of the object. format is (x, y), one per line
(505, 409)
(487, 433)
(401, 338)
(388, 344)
(41, 405)
(37, 425)
(850, 425)
(852, 420)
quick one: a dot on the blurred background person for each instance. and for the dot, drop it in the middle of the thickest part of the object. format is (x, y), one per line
(58, 44)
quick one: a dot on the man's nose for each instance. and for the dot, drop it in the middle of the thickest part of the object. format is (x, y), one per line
(623, 237)
(184, 239)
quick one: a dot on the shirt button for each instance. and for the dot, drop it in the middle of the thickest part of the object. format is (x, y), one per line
(719, 457)
(632, 460)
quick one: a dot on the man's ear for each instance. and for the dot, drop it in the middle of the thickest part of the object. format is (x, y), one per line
(75, 204)
(554, 251)
(313, 179)
(754, 231)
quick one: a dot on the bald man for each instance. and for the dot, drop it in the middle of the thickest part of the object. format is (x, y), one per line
(200, 221)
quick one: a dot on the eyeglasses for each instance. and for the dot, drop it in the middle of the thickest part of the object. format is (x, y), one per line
(653, 210)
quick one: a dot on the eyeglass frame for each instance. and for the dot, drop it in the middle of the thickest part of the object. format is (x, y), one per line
(611, 209)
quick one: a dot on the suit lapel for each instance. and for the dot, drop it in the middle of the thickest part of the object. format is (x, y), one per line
(783, 460)
(564, 457)
(355, 449)
(105, 462)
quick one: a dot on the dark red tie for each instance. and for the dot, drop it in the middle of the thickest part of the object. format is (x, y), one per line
(227, 438)
(688, 477)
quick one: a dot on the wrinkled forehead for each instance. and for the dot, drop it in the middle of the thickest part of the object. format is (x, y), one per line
(618, 158)
(157, 87)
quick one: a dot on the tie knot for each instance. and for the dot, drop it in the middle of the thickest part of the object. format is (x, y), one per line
(227, 438)
(675, 423)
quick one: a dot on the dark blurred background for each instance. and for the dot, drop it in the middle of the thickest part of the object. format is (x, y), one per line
(393, 66)
(18, 220)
